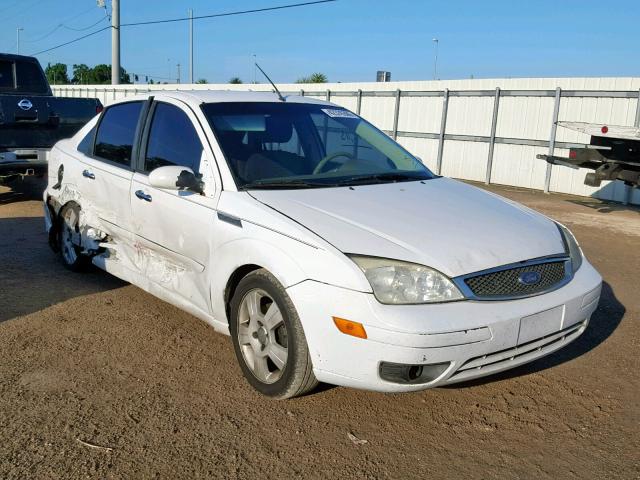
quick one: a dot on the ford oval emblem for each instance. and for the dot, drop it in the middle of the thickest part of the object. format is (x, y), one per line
(529, 278)
(25, 104)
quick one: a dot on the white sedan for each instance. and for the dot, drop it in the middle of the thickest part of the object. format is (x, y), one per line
(326, 250)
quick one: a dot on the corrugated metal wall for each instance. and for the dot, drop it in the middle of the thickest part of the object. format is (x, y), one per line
(523, 125)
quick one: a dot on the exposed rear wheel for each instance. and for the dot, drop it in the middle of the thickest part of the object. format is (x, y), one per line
(268, 338)
(69, 238)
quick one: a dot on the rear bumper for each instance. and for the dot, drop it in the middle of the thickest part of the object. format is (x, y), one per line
(476, 338)
(23, 162)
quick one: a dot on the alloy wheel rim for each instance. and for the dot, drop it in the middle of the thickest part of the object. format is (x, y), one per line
(69, 226)
(262, 336)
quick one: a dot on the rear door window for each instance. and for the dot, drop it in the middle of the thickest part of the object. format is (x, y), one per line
(116, 133)
(173, 140)
(86, 144)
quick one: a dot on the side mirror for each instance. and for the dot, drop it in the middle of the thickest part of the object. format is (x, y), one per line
(175, 177)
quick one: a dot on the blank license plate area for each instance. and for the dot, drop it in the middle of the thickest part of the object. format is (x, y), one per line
(540, 324)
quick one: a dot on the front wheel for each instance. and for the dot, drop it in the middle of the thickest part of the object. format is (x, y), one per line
(268, 338)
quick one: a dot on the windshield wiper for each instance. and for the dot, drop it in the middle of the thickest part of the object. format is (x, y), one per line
(268, 185)
(390, 177)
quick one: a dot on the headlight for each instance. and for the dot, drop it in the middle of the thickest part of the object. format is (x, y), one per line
(571, 247)
(397, 282)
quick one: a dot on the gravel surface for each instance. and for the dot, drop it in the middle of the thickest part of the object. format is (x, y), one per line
(98, 379)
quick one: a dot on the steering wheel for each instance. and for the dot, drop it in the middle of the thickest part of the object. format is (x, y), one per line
(329, 158)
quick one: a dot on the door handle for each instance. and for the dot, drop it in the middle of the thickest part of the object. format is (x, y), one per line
(143, 196)
(88, 174)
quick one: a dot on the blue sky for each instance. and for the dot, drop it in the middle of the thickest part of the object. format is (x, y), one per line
(347, 40)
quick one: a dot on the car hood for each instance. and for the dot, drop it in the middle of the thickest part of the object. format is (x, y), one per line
(442, 223)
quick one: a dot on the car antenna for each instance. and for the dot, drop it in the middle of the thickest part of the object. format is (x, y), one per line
(272, 84)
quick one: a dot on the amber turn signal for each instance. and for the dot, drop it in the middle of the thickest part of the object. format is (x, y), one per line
(348, 327)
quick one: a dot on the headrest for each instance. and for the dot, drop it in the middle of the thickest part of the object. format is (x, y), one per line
(277, 130)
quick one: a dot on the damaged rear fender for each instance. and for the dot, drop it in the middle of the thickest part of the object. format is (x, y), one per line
(68, 197)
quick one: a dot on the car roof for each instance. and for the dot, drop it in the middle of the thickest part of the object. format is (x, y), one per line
(197, 97)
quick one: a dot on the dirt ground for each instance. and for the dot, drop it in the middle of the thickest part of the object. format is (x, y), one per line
(101, 380)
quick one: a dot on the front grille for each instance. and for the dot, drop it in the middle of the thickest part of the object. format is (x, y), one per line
(506, 283)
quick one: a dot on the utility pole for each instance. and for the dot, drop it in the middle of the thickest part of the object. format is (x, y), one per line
(435, 60)
(18, 30)
(178, 72)
(190, 46)
(115, 42)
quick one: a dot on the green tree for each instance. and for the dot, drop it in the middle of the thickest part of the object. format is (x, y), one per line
(124, 76)
(314, 78)
(57, 74)
(235, 81)
(101, 74)
(98, 75)
(201, 81)
(81, 74)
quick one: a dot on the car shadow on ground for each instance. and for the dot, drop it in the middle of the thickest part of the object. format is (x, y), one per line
(32, 276)
(31, 188)
(604, 322)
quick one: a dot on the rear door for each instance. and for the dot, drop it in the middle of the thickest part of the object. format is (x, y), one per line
(107, 167)
(174, 228)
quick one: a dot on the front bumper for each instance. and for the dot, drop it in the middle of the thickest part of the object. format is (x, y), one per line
(478, 338)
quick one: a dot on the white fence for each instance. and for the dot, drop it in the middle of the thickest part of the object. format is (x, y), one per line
(483, 130)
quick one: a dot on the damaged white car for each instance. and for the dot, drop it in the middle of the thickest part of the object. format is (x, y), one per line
(325, 249)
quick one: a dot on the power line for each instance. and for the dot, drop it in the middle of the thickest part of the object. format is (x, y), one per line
(63, 25)
(23, 10)
(228, 14)
(72, 41)
(86, 28)
(182, 19)
(10, 6)
(55, 29)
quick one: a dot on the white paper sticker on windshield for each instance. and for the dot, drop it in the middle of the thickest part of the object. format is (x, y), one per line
(339, 113)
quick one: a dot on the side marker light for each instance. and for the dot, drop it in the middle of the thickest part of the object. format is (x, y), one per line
(348, 327)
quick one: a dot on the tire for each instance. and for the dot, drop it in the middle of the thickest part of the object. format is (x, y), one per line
(268, 338)
(68, 228)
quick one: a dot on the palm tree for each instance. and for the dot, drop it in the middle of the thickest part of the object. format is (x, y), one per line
(201, 81)
(318, 78)
(235, 81)
(314, 78)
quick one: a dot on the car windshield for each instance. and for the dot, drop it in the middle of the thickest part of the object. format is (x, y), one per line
(300, 145)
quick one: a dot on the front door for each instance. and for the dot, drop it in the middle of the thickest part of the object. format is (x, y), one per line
(174, 228)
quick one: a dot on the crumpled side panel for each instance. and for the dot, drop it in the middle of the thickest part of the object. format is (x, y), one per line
(156, 267)
(90, 233)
